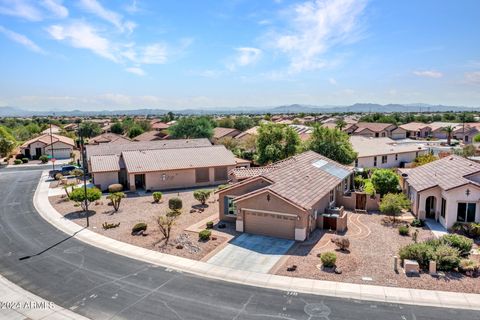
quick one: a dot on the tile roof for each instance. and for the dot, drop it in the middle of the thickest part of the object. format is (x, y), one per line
(305, 178)
(180, 158)
(368, 147)
(441, 125)
(252, 131)
(373, 126)
(106, 163)
(447, 173)
(244, 173)
(109, 138)
(46, 139)
(118, 148)
(160, 125)
(220, 132)
(414, 126)
(150, 136)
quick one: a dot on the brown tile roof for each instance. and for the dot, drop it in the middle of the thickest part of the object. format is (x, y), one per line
(118, 148)
(252, 131)
(174, 159)
(220, 132)
(414, 126)
(447, 173)
(106, 163)
(369, 147)
(305, 178)
(373, 126)
(109, 138)
(160, 125)
(46, 139)
(244, 173)
(150, 136)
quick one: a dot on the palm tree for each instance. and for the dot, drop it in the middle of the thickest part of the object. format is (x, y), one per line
(449, 131)
(340, 124)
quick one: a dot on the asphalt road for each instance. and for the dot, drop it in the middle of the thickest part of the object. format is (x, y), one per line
(102, 285)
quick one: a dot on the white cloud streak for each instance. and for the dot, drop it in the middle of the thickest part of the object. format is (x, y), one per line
(245, 56)
(428, 74)
(136, 70)
(21, 39)
(116, 19)
(56, 8)
(316, 26)
(473, 77)
(20, 9)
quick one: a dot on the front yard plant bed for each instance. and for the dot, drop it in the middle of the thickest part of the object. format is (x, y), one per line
(141, 209)
(373, 244)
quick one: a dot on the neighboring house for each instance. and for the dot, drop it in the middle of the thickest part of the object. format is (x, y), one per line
(159, 126)
(374, 129)
(438, 129)
(384, 152)
(286, 201)
(108, 138)
(55, 129)
(245, 135)
(70, 127)
(348, 129)
(160, 165)
(220, 133)
(304, 132)
(467, 132)
(446, 190)
(416, 130)
(152, 135)
(42, 145)
(398, 133)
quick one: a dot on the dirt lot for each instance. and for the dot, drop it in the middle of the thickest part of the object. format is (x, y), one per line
(372, 247)
(136, 209)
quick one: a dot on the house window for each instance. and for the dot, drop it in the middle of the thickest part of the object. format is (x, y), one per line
(332, 196)
(466, 138)
(384, 159)
(229, 206)
(375, 161)
(202, 175)
(442, 210)
(356, 162)
(383, 134)
(221, 174)
(396, 156)
(376, 135)
(466, 212)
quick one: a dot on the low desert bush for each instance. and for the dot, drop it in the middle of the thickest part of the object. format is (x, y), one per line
(447, 257)
(328, 259)
(43, 159)
(25, 160)
(210, 225)
(141, 226)
(404, 230)
(116, 187)
(420, 252)
(17, 161)
(417, 223)
(175, 204)
(157, 196)
(463, 244)
(204, 235)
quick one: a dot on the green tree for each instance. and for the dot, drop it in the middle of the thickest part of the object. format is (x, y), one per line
(292, 142)
(144, 124)
(340, 124)
(192, 127)
(116, 199)
(117, 128)
(275, 142)
(424, 159)
(226, 122)
(89, 129)
(333, 144)
(449, 131)
(7, 142)
(202, 195)
(78, 195)
(394, 203)
(385, 181)
(134, 131)
(243, 123)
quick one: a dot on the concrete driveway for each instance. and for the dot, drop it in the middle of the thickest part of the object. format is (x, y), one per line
(252, 253)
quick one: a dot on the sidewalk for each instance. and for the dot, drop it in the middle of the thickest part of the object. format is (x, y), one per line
(20, 304)
(318, 287)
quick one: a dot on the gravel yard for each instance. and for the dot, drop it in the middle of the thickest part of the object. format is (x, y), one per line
(135, 209)
(372, 247)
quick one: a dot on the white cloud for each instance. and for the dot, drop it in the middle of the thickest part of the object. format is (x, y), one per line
(116, 19)
(21, 9)
(132, 8)
(21, 39)
(316, 26)
(56, 7)
(82, 35)
(244, 56)
(473, 77)
(428, 73)
(153, 54)
(136, 70)
(332, 81)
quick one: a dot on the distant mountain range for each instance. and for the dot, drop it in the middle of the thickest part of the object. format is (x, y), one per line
(294, 108)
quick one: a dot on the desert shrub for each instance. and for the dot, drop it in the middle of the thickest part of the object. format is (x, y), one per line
(78, 195)
(471, 229)
(447, 257)
(463, 244)
(468, 266)
(107, 225)
(385, 181)
(328, 259)
(175, 204)
(202, 195)
(204, 235)
(417, 223)
(116, 187)
(358, 182)
(404, 230)
(343, 243)
(116, 199)
(141, 226)
(210, 225)
(420, 252)
(17, 161)
(157, 196)
(25, 160)
(43, 158)
(58, 176)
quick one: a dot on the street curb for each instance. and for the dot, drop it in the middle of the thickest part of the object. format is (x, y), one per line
(409, 296)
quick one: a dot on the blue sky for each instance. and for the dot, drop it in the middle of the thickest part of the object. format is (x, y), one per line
(99, 54)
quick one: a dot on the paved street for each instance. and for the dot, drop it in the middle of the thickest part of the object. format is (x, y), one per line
(100, 285)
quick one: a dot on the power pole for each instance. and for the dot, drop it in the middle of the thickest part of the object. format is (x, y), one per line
(51, 145)
(82, 153)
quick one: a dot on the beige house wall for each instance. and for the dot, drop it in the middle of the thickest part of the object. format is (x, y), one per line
(103, 179)
(405, 157)
(454, 196)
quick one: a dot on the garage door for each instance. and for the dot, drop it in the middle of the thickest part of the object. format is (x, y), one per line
(398, 136)
(269, 224)
(60, 153)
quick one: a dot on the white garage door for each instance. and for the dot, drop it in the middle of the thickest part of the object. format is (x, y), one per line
(398, 136)
(60, 153)
(270, 224)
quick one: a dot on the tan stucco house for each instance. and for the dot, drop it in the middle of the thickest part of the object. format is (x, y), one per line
(445, 190)
(160, 165)
(43, 145)
(287, 199)
(374, 129)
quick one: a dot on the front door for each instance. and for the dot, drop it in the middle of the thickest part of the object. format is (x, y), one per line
(430, 207)
(361, 201)
(38, 152)
(139, 181)
(27, 153)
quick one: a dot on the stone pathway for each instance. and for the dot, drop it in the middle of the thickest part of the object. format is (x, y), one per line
(437, 229)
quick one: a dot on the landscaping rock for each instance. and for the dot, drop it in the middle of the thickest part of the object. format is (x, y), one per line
(179, 246)
(193, 210)
(214, 238)
(338, 271)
